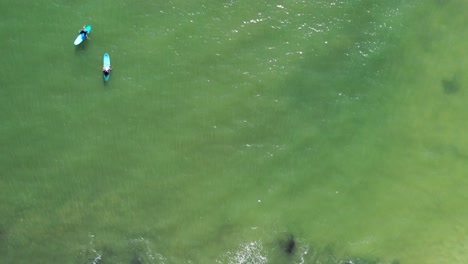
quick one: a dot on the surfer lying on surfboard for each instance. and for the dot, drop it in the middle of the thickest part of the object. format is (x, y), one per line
(83, 31)
(106, 71)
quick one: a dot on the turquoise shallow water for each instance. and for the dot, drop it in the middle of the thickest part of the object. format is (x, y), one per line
(230, 129)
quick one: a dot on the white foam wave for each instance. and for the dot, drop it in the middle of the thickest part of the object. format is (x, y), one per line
(97, 259)
(146, 251)
(90, 253)
(141, 247)
(248, 253)
(303, 251)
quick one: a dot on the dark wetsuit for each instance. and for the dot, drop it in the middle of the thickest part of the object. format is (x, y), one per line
(84, 32)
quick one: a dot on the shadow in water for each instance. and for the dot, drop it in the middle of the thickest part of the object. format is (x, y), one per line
(288, 246)
(136, 260)
(451, 86)
(81, 48)
(294, 249)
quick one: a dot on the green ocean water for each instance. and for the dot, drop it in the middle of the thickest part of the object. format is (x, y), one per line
(234, 132)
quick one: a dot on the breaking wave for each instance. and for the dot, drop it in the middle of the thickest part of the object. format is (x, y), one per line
(248, 253)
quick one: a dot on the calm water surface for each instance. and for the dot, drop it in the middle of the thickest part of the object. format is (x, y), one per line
(234, 132)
